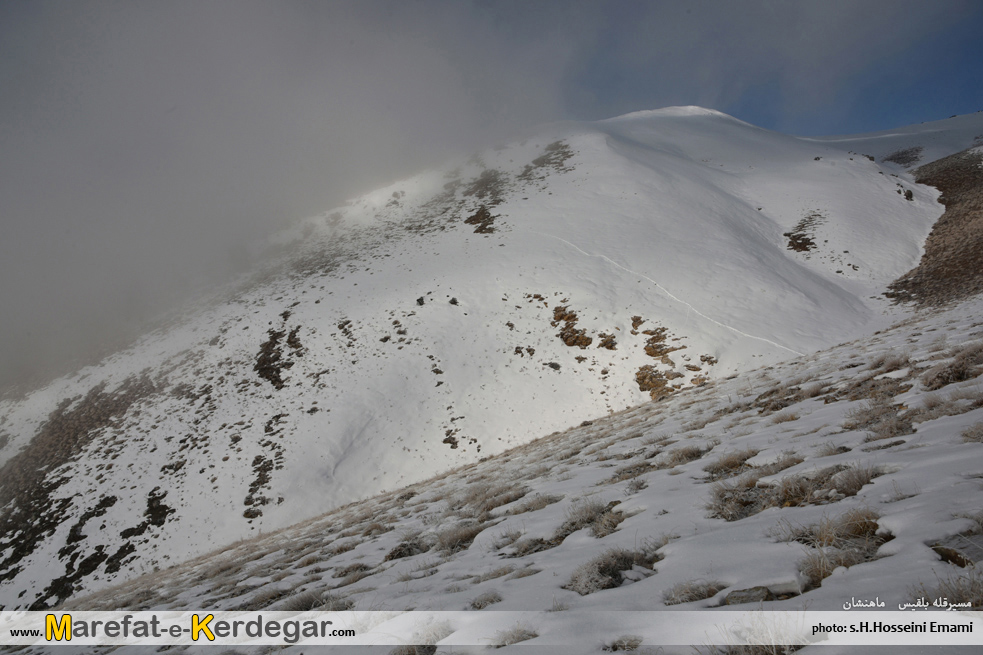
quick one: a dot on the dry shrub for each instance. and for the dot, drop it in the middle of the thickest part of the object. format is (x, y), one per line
(744, 498)
(868, 414)
(965, 587)
(891, 427)
(604, 571)
(507, 538)
(889, 361)
(792, 491)
(829, 449)
(684, 454)
(412, 544)
(692, 590)
(935, 406)
(263, 599)
(820, 564)
(737, 500)
(432, 631)
(480, 498)
(513, 635)
(624, 643)
(729, 464)
(964, 365)
(525, 573)
(302, 602)
(812, 390)
(852, 480)
(880, 418)
(786, 459)
(537, 502)
(784, 417)
(857, 523)
(343, 547)
(491, 575)
(375, 528)
(974, 433)
(353, 578)
(484, 600)
(458, 537)
(846, 540)
(630, 471)
(973, 394)
(357, 567)
(658, 440)
(591, 513)
(531, 545)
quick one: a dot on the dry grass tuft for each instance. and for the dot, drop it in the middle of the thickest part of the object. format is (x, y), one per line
(458, 537)
(744, 497)
(525, 573)
(484, 600)
(729, 464)
(590, 513)
(513, 636)
(604, 571)
(302, 602)
(889, 361)
(630, 472)
(852, 480)
(964, 365)
(829, 449)
(412, 544)
(812, 390)
(507, 538)
(537, 502)
(974, 433)
(624, 643)
(691, 591)
(491, 575)
(960, 588)
(880, 418)
(784, 417)
(481, 498)
(786, 459)
(846, 540)
(684, 454)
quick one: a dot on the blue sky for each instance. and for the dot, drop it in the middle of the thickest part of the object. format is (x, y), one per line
(145, 146)
(803, 68)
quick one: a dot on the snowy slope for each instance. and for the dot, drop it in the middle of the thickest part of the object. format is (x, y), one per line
(914, 145)
(848, 475)
(419, 328)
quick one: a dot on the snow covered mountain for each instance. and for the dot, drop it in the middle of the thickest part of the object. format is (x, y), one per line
(452, 316)
(845, 476)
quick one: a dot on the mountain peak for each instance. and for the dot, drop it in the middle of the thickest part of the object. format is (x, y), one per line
(450, 317)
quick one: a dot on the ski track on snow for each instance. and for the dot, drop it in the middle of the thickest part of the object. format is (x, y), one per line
(666, 291)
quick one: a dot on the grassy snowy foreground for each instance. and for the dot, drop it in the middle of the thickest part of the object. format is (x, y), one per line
(855, 472)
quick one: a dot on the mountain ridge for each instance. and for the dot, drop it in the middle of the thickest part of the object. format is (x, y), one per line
(479, 289)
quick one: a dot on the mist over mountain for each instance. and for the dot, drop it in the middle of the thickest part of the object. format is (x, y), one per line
(454, 315)
(149, 149)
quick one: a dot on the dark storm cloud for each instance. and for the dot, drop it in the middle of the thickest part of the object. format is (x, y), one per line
(144, 146)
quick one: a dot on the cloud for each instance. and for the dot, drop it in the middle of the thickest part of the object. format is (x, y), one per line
(147, 144)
